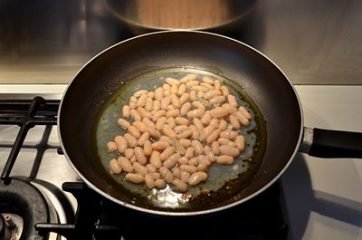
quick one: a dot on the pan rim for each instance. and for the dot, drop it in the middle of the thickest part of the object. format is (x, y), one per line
(181, 213)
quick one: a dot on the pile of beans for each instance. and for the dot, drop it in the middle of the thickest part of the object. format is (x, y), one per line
(172, 135)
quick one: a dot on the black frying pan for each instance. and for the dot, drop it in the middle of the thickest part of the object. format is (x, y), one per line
(92, 88)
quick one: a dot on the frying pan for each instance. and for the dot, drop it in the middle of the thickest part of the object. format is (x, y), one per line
(99, 81)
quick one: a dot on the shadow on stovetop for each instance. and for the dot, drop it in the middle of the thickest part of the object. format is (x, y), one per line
(304, 201)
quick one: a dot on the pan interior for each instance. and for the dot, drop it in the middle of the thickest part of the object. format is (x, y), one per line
(224, 181)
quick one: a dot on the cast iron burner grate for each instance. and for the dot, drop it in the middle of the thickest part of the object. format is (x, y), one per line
(98, 218)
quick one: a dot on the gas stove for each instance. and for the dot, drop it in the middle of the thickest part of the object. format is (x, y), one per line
(41, 197)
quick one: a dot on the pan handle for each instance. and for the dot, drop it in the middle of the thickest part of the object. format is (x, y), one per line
(331, 143)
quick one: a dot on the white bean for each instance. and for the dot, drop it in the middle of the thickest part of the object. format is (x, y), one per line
(115, 166)
(126, 111)
(232, 100)
(121, 143)
(134, 131)
(125, 164)
(180, 186)
(225, 160)
(160, 145)
(140, 156)
(147, 148)
(111, 146)
(160, 183)
(138, 168)
(197, 177)
(229, 150)
(143, 138)
(167, 153)
(123, 123)
(219, 112)
(150, 183)
(135, 177)
(240, 142)
(185, 108)
(155, 159)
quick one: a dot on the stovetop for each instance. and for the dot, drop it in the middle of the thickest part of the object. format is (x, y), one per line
(40, 193)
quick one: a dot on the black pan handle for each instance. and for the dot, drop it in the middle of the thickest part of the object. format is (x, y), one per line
(331, 143)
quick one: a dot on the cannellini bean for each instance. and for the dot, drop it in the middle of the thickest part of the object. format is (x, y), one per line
(134, 177)
(160, 145)
(213, 136)
(197, 104)
(240, 142)
(129, 153)
(151, 95)
(245, 112)
(159, 93)
(185, 176)
(166, 139)
(125, 164)
(165, 102)
(229, 150)
(224, 90)
(197, 177)
(231, 109)
(175, 101)
(212, 93)
(188, 168)
(208, 80)
(156, 175)
(215, 147)
(196, 113)
(234, 121)
(171, 122)
(135, 115)
(197, 122)
(207, 85)
(202, 167)
(156, 105)
(192, 83)
(139, 93)
(225, 160)
(166, 174)
(171, 161)
(179, 185)
(123, 123)
(167, 153)
(225, 141)
(147, 148)
(160, 123)
(219, 112)
(197, 146)
(153, 132)
(143, 113)
(208, 130)
(140, 156)
(187, 78)
(173, 113)
(185, 134)
(160, 183)
(185, 108)
(217, 84)
(149, 105)
(172, 81)
(180, 128)
(143, 138)
(183, 160)
(115, 166)
(232, 100)
(134, 131)
(182, 121)
(181, 89)
(223, 125)
(189, 152)
(142, 100)
(185, 142)
(217, 100)
(148, 122)
(150, 168)
(133, 159)
(203, 159)
(150, 183)
(141, 126)
(111, 146)
(193, 95)
(138, 168)
(176, 172)
(166, 87)
(121, 143)
(168, 131)
(155, 159)
(243, 120)
(184, 98)
(126, 111)
(158, 114)
(206, 118)
(194, 161)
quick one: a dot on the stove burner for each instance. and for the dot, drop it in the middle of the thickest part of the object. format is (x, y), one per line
(26, 203)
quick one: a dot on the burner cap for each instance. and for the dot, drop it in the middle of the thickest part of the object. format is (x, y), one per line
(21, 199)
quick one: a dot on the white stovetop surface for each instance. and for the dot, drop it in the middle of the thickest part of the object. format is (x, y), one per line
(323, 196)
